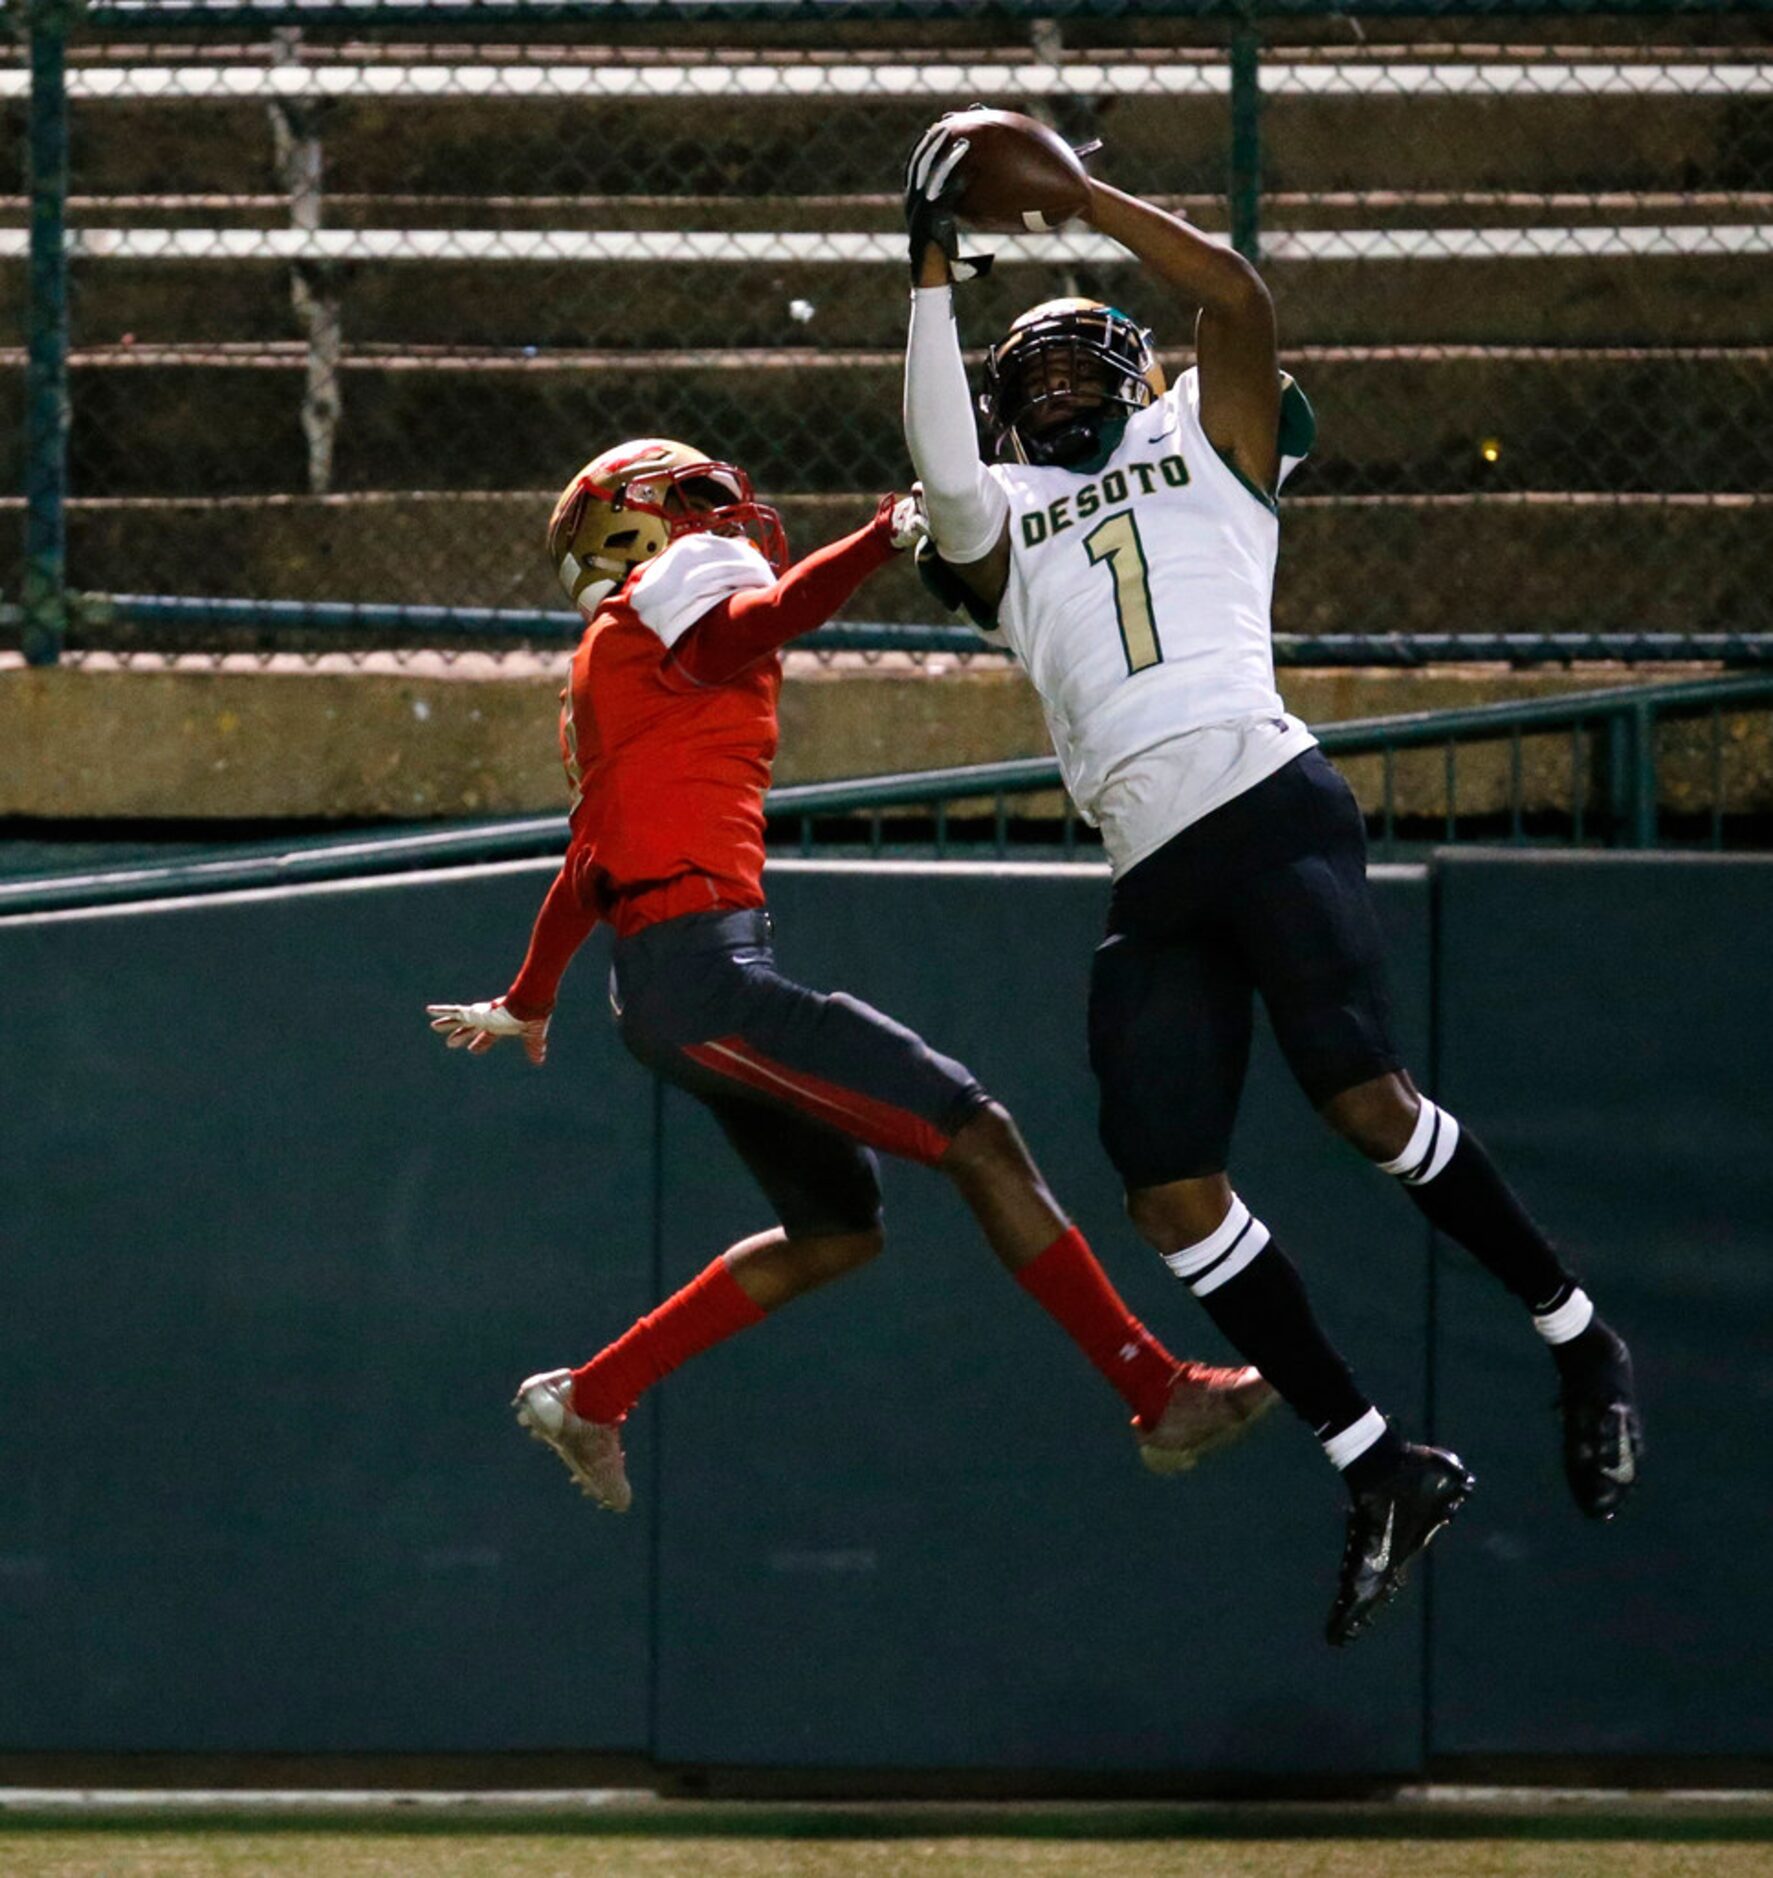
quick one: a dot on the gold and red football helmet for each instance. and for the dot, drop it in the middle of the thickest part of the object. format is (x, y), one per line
(628, 505)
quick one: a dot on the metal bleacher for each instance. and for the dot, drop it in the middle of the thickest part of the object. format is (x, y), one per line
(345, 311)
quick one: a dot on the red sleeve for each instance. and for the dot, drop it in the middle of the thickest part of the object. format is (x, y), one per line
(562, 926)
(739, 631)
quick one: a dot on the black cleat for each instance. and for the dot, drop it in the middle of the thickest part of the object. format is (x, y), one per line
(1603, 1434)
(1387, 1526)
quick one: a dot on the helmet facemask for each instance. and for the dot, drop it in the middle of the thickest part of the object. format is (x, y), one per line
(699, 498)
(1060, 388)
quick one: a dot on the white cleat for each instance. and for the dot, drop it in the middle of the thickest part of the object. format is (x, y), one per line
(592, 1451)
(1207, 1408)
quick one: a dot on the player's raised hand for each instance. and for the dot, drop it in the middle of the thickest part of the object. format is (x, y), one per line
(930, 192)
(904, 519)
(477, 1027)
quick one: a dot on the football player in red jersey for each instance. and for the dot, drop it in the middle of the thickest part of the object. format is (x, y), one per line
(668, 731)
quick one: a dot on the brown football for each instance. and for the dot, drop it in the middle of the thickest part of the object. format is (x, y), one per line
(1017, 173)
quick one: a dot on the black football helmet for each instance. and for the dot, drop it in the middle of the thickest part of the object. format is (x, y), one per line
(1061, 376)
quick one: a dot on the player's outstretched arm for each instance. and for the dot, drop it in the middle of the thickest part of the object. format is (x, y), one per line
(757, 621)
(562, 926)
(969, 514)
(1235, 343)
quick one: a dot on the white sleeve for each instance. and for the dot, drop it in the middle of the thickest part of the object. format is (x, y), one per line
(695, 573)
(967, 509)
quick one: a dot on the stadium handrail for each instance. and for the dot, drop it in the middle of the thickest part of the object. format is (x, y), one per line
(127, 621)
(1391, 73)
(1633, 709)
(837, 247)
(155, 16)
(472, 356)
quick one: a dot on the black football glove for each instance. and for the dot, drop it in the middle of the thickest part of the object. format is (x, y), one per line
(929, 202)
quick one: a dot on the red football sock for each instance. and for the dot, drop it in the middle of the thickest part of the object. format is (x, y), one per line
(1076, 1292)
(707, 1310)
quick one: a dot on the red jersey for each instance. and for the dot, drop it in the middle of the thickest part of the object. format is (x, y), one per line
(669, 774)
(668, 731)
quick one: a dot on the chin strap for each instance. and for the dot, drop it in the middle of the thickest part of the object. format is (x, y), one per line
(1103, 440)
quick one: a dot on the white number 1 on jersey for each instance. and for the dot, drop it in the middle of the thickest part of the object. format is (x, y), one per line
(1117, 542)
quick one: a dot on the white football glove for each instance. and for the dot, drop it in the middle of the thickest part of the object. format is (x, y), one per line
(477, 1027)
(911, 522)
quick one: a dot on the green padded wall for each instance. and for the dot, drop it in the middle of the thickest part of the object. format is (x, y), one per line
(1607, 1025)
(903, 1524)
(271, 1261)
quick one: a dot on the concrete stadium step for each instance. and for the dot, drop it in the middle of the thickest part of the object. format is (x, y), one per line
(1281, 210)
(1551, 141)
(1444, 419)
(1527, 564)
(1422, 564)
(319, 72)
(1468, 115)
(786, 296)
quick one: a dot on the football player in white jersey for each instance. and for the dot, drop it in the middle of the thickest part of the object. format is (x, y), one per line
(1121, 538)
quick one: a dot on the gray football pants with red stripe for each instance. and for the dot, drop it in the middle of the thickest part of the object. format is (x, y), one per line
(804, 1084)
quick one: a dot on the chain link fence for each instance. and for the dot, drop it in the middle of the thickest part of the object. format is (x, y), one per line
(350, 291)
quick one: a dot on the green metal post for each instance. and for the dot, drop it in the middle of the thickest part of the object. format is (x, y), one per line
(45, 602)
(1246, 142)
(1631, 776)
(1618, 760)
(1644, 781)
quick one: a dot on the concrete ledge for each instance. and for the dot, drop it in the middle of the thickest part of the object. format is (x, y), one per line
(413, 737)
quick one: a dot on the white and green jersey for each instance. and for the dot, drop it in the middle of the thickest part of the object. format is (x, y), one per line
(1138, 600)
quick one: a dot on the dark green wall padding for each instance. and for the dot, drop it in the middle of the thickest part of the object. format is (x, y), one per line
(1628, 1090)
(273, 1261)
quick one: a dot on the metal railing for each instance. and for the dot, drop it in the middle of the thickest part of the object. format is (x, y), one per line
(146, 622)
(1606, 786)
(1614, 760)
(329, 298)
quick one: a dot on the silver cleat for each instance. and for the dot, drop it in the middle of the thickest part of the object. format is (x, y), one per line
(592, 1451)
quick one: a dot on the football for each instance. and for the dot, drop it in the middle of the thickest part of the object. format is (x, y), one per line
(1017, 174)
